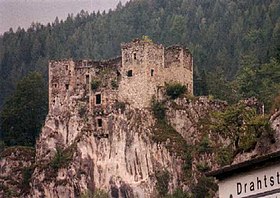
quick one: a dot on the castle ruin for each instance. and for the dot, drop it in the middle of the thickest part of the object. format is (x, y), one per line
(134, 78)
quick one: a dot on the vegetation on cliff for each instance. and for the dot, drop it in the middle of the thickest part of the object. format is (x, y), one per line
(223, 35)
(221, 135)
(14, 180)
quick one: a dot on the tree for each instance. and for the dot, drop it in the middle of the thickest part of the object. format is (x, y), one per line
(24, 112)
(200, 84)
(220, 87)
(262, 82)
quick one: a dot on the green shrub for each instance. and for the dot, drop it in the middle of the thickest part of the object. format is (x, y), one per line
(211, 97)
(248, 141)
(224, 156)
(96, 194)
(205, 188)
(175, 90)
(158, 109)
(262, 127)
(163, 179)
(147, 39)
(203, 167)
(26, 175)
(178, 193)
(188, 158)
(61, 159)
(204, 146)
(114, 84)
(95, 84)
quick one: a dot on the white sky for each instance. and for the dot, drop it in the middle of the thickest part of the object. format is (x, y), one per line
(15, 13)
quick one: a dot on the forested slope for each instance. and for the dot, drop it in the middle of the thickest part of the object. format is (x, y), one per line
(223, 35)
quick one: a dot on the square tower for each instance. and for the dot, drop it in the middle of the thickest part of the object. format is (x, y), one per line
(147, 67)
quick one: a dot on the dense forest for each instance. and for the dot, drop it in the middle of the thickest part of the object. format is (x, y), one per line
(236, 45)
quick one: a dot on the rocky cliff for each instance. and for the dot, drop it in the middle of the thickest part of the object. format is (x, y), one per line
(16, 167)
(123, 160)
(136, 155)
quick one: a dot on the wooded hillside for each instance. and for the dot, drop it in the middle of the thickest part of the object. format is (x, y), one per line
(234, 43)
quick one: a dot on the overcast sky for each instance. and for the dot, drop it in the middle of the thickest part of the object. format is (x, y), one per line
(15, 13)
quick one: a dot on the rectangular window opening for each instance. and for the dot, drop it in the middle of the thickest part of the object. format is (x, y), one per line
(87, 79)
(134, 56)
(152, 72)
(67, 86)
(98, 99)
(129, 73)
(99, 122)
(66, 67)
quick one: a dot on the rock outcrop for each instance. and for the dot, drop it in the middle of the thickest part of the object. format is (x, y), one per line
(122, 160)
(16, 167)
(74, 157)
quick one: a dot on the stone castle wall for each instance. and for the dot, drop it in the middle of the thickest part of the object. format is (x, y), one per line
(135, 78)
(146, 67)
(145, 61)
(178, 67)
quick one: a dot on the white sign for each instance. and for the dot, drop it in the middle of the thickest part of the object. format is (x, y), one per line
(263, 183)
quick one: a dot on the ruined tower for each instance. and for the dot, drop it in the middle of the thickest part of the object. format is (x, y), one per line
(146, 67)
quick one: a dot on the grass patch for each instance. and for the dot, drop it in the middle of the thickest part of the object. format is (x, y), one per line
(158, 109)
(204, 146)
(61, 159)
(205, 188)
(179, 193)
(163, 178)
(165, 133)
(224, 156)
(188, 159)
(203, 167)
(24, 152)
(96, 194)
(26, 178)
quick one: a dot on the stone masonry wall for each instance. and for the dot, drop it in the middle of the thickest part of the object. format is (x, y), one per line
(145, 60)
(147, 67)
(178, 67)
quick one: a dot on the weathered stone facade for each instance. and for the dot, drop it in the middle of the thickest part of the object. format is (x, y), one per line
(134, 78)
